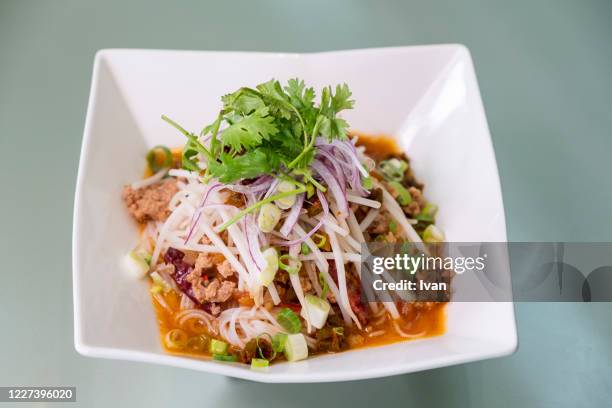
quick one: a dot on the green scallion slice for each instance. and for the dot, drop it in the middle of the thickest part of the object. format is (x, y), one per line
(289, 264)
(289, 320)
(259, 363)
(402, 195)
(224, 357)
(152, 158)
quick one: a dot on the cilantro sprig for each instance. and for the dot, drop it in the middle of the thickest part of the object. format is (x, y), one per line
(269, 129)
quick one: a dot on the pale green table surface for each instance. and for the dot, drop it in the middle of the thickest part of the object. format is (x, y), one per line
(545, 72)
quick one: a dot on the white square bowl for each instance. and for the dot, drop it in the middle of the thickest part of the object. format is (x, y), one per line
(427, 97)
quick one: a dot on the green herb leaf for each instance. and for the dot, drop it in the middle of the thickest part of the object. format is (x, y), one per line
(267, 130)
(250, 131)
(249, 165)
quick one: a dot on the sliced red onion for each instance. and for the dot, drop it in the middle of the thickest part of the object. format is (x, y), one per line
(349, 150)
(293, 215)
(332, 183)
(272, 188)
(252, 241)
(298, 241)
(338, 168)
(323, 201)
(195, 218)
(343, 154)
(260, 185)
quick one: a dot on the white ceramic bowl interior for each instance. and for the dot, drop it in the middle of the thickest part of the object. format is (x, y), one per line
(427, 97)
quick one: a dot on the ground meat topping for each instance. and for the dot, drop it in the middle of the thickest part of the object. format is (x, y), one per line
(150, 203)
(226, 269)
(216, 291)
(380, 225)
(306, 284)
(417, 204)
(204, 261)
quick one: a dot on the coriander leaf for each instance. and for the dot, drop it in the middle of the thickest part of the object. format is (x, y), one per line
(276, 99)
(250, 131)
(249, 165)
(300, 96)
(242, 101)
(340, 100)
(331, 126)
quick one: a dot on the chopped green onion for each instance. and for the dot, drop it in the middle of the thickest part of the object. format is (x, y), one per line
(403, 196)
(429, 209)
(433, 234)
(304, 248)
(367, 183)
(278, 342)
(289, 320)
(310, 190)
(224, 357)
(393, 226)
(316, 310)
(267, 274)
(152, 158)
(217, 347)
(259, 363)
(394, 169)
(136, 263)
(324, 286)
(322, 240)
(260, 351)
(160, 282)
(338, 331)
(296, 347)
(285, 263)
(269, 216)
(287, 202)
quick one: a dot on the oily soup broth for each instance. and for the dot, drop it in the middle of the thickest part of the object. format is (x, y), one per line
(422, 322)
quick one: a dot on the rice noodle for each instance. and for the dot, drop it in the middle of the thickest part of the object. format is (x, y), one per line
(363, 201)
(186, 302)
(398, 214)
(203, 248)
(403, 333)
(160, 300)
(324, 270)
(241, 324)
(174, 217)
(314, 280)
(274, 293)
(182, 317)
(297, 285)
(149, 180)
(344, 300)
(356, 231)
(368, 219)
(328, 222)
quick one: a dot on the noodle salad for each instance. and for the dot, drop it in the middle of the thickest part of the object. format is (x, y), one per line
(252, 232)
